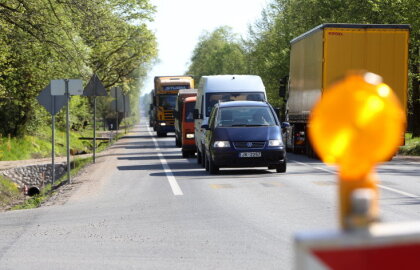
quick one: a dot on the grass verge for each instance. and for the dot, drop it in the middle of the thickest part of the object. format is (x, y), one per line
(411, 147)
(9, 192)
(48, 190)
(39, 145)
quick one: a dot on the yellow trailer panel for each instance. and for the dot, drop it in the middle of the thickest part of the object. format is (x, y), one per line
(379, 50)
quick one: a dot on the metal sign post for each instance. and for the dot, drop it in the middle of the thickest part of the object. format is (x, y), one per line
(67, 94)
(94, 88)
(52, 143)
(53, 105)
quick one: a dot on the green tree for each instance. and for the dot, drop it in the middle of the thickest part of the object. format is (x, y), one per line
(48, 39)
(218, 52)
(282, 20)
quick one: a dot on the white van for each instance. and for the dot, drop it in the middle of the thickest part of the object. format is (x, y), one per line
(213, 89)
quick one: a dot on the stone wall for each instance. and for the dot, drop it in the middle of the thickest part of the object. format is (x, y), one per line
(34, 175)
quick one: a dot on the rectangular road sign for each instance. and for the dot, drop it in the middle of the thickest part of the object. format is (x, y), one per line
(382, 246)
(75, 87)
(58, 87)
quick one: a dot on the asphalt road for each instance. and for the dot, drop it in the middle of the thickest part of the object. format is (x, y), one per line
(143, 206)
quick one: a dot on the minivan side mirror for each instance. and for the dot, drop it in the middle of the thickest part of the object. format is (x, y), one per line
(283, 86)
(285, 125)
(197, 115)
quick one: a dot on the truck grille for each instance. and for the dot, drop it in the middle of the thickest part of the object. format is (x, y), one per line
(249, 145)
(169, 117)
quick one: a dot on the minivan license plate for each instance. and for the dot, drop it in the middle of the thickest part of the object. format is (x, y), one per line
(250, 154)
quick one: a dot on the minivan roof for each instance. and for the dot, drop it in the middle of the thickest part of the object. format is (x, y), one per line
(232, 83)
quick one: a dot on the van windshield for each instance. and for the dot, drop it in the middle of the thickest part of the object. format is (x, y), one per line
(189, 109)
(245, 116)
(213, 98)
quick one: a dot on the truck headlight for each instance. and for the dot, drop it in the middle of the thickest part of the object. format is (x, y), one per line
(221, 144)
(189, 135)
(275, 143)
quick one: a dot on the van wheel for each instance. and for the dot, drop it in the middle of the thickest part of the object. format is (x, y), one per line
(177, 141)
(203, 157)
(281, 168)
(213, 169)
(206, 163)
(161, 134)
(198, 156)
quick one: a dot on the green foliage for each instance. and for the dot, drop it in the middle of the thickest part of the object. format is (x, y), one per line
(282, 20)
(38, 145)
(42, 40)
(219, 52)
(9, 192)
(411, 147)
(266, 50)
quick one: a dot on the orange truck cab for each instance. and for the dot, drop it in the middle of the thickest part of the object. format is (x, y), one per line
(184, 121)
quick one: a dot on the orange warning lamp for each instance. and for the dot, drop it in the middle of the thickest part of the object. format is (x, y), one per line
(357, 123)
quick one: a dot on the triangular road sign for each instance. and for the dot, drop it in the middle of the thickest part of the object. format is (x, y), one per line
(94, 87)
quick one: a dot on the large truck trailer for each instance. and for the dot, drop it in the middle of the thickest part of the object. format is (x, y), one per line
(326, 53)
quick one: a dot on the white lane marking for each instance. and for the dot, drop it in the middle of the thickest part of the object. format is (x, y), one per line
(176, 189)
(399, 192)
(379, 185)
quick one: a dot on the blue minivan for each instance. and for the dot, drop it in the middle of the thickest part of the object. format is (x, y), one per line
(244, 134)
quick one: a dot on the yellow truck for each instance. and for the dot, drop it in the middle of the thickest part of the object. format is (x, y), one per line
(164, 100)
(325, 54)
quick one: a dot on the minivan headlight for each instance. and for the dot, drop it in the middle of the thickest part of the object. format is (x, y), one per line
(275, 143)
(221, 144)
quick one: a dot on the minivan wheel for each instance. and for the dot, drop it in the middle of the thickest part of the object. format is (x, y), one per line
(281, 168)
(213, 169)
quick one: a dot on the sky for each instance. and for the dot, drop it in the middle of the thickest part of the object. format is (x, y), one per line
(178, 25)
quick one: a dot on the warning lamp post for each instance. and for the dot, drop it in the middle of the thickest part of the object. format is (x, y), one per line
(357, 123)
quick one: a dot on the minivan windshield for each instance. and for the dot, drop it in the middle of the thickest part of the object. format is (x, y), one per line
(213, 98)
(245, 116)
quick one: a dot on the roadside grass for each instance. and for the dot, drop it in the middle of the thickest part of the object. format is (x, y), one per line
(39, 145)
(411, 147)
(9, 192)
(46, 192)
